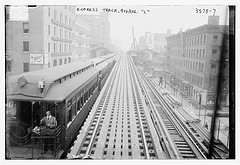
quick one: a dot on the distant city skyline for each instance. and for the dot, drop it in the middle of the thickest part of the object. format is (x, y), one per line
(155, 19)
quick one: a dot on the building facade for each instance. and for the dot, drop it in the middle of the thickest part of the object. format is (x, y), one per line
(154, 41)
(52, 33)
(17, 47)
(99, 30)
(82, 32)
(193, 59)
(50, 36)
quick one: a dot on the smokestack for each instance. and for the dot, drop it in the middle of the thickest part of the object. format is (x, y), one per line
(213, 20)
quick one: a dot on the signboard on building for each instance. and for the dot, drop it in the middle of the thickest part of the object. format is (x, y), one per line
(36, 58)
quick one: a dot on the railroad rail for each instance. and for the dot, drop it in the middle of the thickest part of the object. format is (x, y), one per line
(220, 151)
(189, 145)
(119, 125)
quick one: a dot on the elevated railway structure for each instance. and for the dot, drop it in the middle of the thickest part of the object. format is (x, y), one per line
(131, 120)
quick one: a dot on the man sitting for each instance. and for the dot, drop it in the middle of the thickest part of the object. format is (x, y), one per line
(49, 120)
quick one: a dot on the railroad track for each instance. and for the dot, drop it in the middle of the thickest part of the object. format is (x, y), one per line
(188, 145)
(220, 150)
(119, 125)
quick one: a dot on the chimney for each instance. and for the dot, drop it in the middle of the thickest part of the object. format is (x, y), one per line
(213, 20)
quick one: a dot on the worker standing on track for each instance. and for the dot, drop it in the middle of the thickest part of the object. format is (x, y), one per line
(99, 81)
(160, 81)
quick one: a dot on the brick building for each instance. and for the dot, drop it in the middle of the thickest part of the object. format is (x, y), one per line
(193, 60)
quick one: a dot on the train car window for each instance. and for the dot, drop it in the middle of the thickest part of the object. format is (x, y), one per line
(81, 101)
(93, 88)
(69, 114)
(69, 111)
(85, 97)
(89, 92)
(74, 110)
(78, 105)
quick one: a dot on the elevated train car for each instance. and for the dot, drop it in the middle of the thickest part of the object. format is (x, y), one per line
(68, 91)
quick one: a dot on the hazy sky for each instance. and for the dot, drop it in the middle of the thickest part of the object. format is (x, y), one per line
(159, 19)
(156, 19)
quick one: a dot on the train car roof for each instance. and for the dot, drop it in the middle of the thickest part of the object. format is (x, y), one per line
(95, 60)
(51, 74)
(61, 91)
(54, 92)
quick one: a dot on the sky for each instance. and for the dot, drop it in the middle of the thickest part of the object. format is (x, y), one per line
(160, 18)
(155, 18)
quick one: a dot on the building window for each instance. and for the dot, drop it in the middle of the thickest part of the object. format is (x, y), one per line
(204, 39)
(203, 54)
(213, 81)
(215, 38)
(60, 47)
(55, 14)
(8, 66)
(49, 11)
(54, 62)
(65, 61)
(61, 18)
(69, 60)
(214, 54)
(214, 51)
(213, 66)
(66, 20)
(69, 48)
(49, 30)
(65, 33)
(65, 47)
(54, 47)
(25, 46)
(49, 47)
(69, 35)
(25, 28)
(60, 33)
(25, 67)
(49, 64)
(60, 62)
(55, 31)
